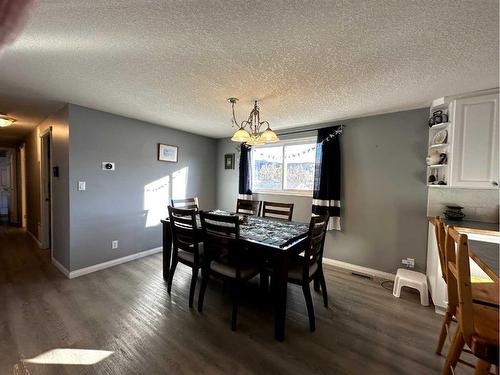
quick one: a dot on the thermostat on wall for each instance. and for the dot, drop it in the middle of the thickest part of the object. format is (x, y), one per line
(108, 166)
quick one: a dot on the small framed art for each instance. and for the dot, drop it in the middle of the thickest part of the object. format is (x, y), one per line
(229, 161)
(168, 153)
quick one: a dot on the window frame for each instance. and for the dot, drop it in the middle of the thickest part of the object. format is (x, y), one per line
(283, 143)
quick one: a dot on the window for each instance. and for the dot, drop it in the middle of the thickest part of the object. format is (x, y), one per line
(286, 167)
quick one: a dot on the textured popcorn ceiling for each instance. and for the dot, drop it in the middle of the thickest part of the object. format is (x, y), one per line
(176, 62)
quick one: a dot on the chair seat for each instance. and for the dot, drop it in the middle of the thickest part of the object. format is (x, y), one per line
(188, 256)
(484, 343)
(230, 271)
(295, 267)
(486, 323)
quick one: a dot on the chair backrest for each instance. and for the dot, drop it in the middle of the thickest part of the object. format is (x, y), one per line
(244, 206)
(278, 210)
(458, 276)
(184, 228)
(186, 203)
(315, 242)
(221, 236)
(440, 239)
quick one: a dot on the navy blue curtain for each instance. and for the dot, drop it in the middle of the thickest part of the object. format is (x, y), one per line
(327, 174)
(245, 185)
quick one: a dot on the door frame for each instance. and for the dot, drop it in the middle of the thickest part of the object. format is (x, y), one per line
(46, 213)
(22, 179)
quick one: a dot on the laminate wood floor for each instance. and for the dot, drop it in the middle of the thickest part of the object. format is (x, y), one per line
(126, 310)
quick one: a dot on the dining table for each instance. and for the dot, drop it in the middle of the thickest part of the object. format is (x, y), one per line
(276, 239)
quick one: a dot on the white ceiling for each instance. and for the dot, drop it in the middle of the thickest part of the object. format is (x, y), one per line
(175, 63)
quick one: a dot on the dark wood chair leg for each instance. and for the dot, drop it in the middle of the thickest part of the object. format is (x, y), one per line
(309, 304)
(316, 284)
(204, 282)
(194, 278)
(235, 296)
(171, 273)
(323, 289)
(444, 332)
(264, 280)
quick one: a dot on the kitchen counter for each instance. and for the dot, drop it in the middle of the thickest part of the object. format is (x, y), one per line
(488, 253)
(484, 252)
(469, 224)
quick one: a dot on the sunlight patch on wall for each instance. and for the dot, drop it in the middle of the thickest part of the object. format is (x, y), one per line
(156, 201)
(179, 183)
(66, 356)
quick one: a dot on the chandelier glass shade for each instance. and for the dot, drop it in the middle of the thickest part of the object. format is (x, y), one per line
(249, 131)
(6, 121)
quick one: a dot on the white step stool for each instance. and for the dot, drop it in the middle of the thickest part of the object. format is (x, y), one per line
(411, 279)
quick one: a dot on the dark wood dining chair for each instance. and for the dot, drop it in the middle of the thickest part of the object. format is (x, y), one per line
(248, 207)
(278, 210)
(478, 325)
(304, 269)
(186, 203)
(224, 258)
(187, 248)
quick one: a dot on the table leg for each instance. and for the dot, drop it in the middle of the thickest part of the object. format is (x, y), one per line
(167, 250)
(279, 290)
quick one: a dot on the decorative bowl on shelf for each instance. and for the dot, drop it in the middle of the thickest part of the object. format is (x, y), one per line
(454, 212)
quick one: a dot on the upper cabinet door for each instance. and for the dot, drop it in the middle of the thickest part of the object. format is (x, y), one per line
(475, 147)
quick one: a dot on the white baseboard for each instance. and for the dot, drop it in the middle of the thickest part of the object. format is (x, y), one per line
(39, 244)
(360, 269)
(114, 262)
(60, 267)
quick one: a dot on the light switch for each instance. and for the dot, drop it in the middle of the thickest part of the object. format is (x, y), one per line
(82, 186)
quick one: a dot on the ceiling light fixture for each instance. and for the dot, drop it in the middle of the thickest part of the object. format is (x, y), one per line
(252, 136)
(6, 121)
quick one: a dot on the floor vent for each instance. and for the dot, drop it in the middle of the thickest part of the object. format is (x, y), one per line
(361, 275)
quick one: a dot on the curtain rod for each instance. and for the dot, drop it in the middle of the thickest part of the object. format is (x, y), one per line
(306, 130)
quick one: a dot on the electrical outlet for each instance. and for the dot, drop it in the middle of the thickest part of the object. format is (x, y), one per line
(114, 244)
(408, 262)
(82, 186)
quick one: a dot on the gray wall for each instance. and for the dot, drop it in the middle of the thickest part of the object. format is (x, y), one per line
(384, 191)
(125, 204)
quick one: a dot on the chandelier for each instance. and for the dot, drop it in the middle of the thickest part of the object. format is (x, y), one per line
(252, 136)
(6, 120)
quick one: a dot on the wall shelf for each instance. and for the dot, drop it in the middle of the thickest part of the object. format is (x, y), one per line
(437, 166)
(440, 126)
(439, 145)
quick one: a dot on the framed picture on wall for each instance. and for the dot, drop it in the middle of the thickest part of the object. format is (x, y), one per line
(229, 161)
(167, 153)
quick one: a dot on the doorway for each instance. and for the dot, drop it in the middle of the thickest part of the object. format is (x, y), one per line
(8, 187)
(46, 189)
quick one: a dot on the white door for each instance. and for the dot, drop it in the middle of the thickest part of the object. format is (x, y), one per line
(5, 185)
(475, 146)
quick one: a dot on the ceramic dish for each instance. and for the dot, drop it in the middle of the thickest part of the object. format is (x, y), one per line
(440, 137)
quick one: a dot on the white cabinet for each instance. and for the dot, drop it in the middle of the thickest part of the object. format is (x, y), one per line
(475, 159)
